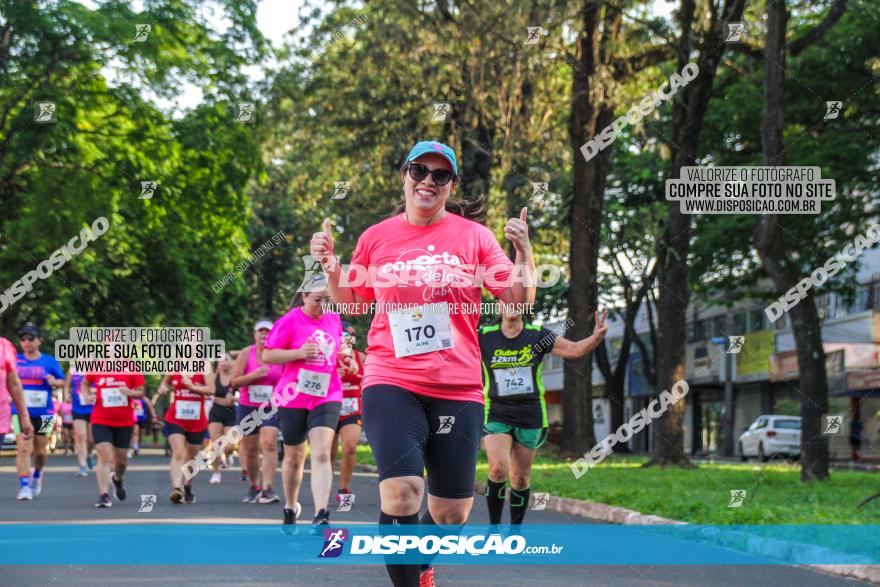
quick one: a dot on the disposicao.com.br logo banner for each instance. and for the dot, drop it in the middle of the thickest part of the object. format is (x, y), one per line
(358, 544)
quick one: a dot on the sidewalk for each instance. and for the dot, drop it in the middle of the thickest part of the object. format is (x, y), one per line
(841, 465)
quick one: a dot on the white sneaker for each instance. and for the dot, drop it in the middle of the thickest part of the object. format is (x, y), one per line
(230, 460)
(215, 479)
(37, 486)
(25, 493)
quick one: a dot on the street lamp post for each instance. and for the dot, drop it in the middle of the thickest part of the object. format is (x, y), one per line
(727, 417)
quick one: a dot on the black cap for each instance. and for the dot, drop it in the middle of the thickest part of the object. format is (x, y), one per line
(29, 329)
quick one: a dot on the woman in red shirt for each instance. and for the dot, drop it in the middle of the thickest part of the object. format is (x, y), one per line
(112, 424)
(185, 423)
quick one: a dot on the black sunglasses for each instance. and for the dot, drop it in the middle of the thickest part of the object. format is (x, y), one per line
(418, 172)
(28, 337)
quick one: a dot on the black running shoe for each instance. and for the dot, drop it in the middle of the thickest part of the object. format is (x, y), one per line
(290, 516)
(176, 496)
(188, 496)
(104, 501)
(322, 518)
(118, 488)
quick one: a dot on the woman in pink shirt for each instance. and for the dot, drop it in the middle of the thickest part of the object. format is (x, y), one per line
(256, 380)
(422, 387)
(306, 341)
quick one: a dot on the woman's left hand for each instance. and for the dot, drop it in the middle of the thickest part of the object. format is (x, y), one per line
(517, 232)
(601, 328)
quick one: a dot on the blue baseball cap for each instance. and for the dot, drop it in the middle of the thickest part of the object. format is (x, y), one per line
(425, 147)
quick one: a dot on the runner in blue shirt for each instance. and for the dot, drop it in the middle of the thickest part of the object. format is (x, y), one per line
(39, 375)
(82, 428)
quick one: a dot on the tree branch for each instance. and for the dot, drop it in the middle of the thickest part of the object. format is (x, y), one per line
(817, 32)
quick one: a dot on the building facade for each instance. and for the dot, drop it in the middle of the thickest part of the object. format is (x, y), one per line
(763, 368)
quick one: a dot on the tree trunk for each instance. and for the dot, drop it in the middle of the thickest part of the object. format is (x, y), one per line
(674, 245)
(591, 110)
(805, 325)
(615, 378)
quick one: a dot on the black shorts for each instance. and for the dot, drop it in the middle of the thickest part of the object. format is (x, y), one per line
(223, 415)
(86, 417)
(119, 436)
(191, 437)
(409, 433)
(142, 424)
(296, 422)
(350, 419)
(67, 425)
(243, 412)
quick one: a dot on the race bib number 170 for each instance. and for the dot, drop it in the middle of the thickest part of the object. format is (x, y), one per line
(421, 330)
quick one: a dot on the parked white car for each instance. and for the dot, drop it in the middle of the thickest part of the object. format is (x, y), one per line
(771, 436)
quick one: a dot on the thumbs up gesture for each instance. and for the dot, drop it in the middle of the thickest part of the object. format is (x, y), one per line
(321, 245)
(517, 232)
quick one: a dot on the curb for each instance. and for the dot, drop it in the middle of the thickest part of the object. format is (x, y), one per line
(743, 541)
(751, 544)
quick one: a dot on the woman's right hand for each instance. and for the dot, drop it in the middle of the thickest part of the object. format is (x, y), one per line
(309, 350)
(261, 371)
(321, 245)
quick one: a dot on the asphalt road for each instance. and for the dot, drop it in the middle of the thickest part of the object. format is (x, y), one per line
(67, 498)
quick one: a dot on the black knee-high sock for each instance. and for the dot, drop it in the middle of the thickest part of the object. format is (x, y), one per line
(495, 499)
(519, 501)
(426, 520)
(401, 575)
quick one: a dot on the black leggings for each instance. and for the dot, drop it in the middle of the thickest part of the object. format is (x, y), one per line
(410, 432)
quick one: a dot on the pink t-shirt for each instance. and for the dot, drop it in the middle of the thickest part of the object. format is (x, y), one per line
(8, 362)
(293, 330)
(441, 262)
(266, 381)
(66, 412)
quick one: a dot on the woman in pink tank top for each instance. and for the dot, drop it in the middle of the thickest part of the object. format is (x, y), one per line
(255, 380)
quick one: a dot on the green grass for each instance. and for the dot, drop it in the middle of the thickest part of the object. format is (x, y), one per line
(775, 494)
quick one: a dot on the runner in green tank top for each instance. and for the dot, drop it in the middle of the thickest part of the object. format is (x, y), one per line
(516, 412)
